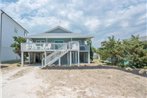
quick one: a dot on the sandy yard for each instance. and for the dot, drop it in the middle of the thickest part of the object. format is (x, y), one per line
(33, 82)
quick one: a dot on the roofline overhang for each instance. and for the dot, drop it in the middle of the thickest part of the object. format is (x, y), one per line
(27, 37)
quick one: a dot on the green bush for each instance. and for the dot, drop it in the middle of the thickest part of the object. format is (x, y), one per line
(127, 53)
(18, 64)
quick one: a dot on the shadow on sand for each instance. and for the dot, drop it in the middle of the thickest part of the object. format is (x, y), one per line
(3, 66)
(134, 71)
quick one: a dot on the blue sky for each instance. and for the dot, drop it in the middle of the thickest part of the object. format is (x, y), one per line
(100, 18)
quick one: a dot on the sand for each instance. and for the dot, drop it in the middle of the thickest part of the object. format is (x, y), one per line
(33, 82)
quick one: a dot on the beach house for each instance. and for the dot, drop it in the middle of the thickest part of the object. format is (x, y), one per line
(58, 46)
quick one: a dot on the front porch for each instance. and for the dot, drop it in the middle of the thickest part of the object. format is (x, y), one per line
(56, 53)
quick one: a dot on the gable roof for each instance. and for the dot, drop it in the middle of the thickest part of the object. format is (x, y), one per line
(59, 32)
(58, 29)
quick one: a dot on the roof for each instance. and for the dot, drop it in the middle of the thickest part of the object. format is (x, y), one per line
(13, 20)
(58, 28)
(59, 32)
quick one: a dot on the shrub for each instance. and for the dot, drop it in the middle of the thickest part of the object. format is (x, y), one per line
(127, 53)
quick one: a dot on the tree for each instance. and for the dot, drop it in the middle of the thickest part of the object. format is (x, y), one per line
(130, 52)
(135, 52)
(111, 49)
(17, 44)
(89, 43)
(94, 49)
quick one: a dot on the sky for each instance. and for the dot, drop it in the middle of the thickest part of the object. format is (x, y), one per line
(99, 18)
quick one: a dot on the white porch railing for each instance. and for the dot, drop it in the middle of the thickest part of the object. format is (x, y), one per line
(43, 46)
(84, 48)
(49, 46)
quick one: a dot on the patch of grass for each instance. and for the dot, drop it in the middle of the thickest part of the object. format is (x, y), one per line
(18, 64)
(145, 67)
(95, 60)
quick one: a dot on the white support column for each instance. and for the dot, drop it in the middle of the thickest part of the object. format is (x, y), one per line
(74, 57)
(29, 57)
(45, 58)
(89, 57)
(59, 61)
(34, 57)
(78, 58)
(67, 58)
(70, 58)
(22, 60)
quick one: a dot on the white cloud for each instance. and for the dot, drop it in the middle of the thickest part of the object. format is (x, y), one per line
(98, 16)
(92, 24)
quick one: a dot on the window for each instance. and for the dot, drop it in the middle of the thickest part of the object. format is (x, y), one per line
(59, 41)
(40, 41)
(57, 46)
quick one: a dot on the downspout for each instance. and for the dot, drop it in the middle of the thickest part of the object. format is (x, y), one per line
(1, 38)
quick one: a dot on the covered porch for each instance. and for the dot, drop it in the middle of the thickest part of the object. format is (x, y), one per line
(71, 58)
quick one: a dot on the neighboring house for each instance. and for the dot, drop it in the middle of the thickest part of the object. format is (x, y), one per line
(57, 46)
(8, 29)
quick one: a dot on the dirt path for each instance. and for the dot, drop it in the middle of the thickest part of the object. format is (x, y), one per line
(20, 83)
(33, 82)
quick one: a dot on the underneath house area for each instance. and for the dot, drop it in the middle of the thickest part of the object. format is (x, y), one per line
(36, 58)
